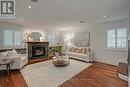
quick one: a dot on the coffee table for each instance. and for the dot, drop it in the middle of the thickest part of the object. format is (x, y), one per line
(61, 61)
(6, 62)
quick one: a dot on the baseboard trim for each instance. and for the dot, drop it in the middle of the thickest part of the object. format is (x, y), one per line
(81, 60)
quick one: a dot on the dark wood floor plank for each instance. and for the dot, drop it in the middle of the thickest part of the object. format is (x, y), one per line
(2, 78)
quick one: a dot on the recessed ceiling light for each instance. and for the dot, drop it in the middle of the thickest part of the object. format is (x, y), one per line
(104, 16)
(29, 6)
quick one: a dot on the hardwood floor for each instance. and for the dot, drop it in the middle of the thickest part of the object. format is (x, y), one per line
(97, 75)
(15, 79)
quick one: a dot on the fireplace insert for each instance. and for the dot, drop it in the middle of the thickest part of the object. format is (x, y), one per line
(38, 51)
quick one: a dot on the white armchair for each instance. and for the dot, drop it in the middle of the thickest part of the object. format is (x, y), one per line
(20, 60)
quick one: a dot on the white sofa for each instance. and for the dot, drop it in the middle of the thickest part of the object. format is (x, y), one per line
(20, 60)
(81, 53)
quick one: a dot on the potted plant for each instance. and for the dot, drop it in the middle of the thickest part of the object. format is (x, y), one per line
(56, 50)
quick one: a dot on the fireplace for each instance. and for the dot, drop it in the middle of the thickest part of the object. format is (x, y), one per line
(37, 50)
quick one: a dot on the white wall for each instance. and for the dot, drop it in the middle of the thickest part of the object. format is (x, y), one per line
(99, 42)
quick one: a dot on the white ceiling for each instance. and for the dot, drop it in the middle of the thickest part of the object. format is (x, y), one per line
(60, 13)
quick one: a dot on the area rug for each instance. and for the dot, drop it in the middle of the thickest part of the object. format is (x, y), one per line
(45, 74)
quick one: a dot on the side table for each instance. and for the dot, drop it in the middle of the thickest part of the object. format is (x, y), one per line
(7, 63)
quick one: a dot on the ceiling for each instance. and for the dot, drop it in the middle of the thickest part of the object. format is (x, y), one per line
(61, 13)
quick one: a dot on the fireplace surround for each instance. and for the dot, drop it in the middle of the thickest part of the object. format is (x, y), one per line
(37, 50)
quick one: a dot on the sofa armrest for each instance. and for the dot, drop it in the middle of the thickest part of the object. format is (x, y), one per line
(90, 55)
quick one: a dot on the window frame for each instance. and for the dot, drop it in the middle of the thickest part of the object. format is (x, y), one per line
(4, 40)
(13, 46)
(121, 39)
(111, 38)
(51, 39)
(117, 48)
(21, 37)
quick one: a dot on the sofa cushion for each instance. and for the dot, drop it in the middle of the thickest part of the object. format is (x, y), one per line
(12, 53)
(83, 51)
(76, 54)
(76, 50)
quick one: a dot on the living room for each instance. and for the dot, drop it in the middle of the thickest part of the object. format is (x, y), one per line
(60, 43)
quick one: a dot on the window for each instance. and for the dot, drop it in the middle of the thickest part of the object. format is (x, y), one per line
(17, 39)
(51, 39)
(111, 38)
(8, 38)
(117, 38)
(122, 38)
(67, 39)
(12, 39)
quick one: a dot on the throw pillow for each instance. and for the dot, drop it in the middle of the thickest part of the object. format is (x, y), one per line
(83, 51)
(76, 50)
(80, 50)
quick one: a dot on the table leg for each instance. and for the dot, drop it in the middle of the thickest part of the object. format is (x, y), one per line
(8, 68)
(69, 60)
